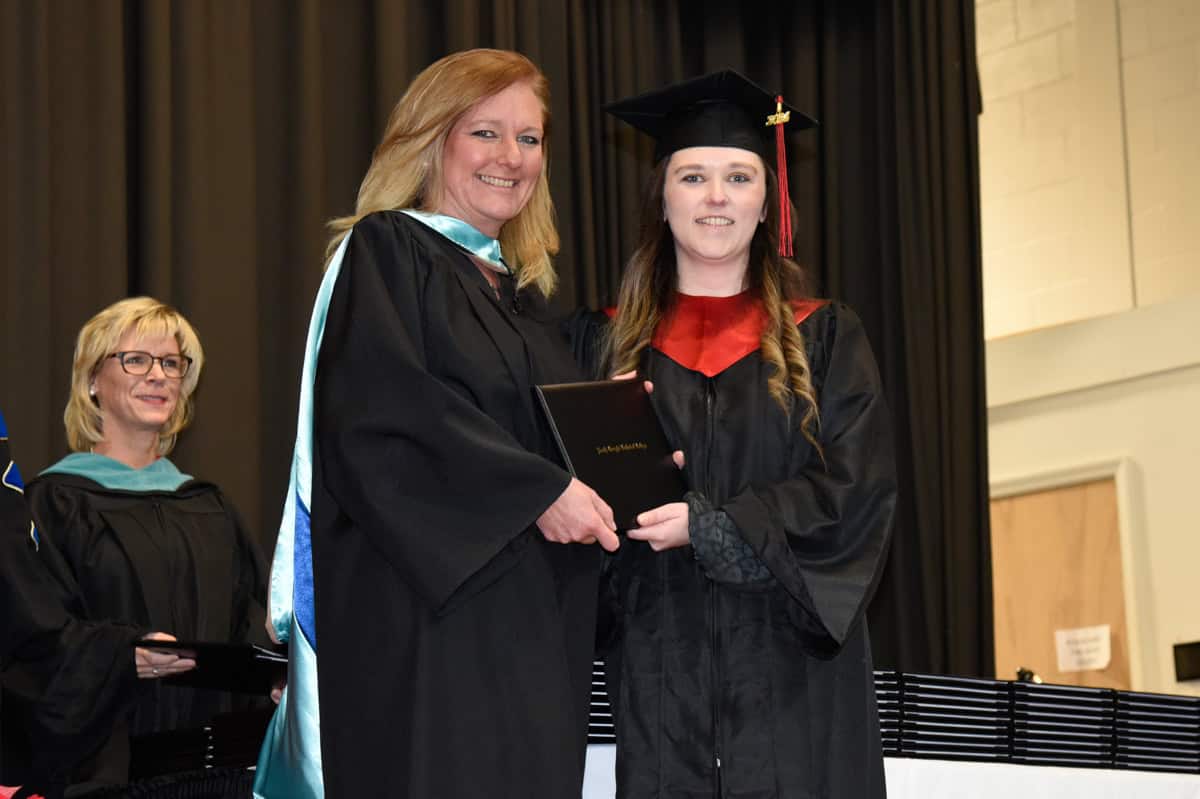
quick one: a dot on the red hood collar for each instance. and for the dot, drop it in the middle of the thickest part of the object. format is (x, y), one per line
(710, 334)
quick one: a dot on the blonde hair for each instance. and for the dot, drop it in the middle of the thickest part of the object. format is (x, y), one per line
(406, 169)
(648, 288)
(99, 338)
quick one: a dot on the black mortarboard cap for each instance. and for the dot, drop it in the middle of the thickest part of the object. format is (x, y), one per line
(721, 109)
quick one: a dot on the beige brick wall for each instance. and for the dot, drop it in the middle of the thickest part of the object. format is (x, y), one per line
(1089, 157)
(1054, 203)
(1160, 62)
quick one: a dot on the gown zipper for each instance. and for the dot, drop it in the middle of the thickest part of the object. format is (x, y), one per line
(162, 547)
(715, 641)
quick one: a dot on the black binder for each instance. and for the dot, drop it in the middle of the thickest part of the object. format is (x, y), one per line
(610, 438)
(239, 668)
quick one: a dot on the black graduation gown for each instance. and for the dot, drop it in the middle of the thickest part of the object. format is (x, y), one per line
(83, 669)
(771, 679)
(172, 561)
(453, 642)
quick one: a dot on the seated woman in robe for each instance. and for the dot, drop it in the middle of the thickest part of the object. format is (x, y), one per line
(128, 537)
(741, 663)
(451, 627)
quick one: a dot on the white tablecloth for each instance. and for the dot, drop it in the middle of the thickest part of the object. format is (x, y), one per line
(910, 778)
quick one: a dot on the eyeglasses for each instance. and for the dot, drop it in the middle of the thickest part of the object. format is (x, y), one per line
(140, 363)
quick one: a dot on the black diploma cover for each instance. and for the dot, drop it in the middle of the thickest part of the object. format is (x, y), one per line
(610, 438)
(239, 668)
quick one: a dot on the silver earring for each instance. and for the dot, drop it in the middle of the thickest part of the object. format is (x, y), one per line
(91, 391)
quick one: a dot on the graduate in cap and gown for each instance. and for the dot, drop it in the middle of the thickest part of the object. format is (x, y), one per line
(738, 655)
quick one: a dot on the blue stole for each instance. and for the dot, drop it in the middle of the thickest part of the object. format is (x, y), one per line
(10, 479)
(289, 764)
(10, 476)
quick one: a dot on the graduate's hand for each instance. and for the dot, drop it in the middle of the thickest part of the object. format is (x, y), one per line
(277, 691)
(579, 516)
(646, 384)
(664, 527)
(677, 455)
(152, 663)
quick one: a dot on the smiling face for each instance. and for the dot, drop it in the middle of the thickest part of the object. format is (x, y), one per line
(134, 405)
(714, 199)
(492, 159)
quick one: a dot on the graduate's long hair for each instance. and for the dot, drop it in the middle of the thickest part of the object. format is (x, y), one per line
(648, 291)
(99, 338)
(406, 169)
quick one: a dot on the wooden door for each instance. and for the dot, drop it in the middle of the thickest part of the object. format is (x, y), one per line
(1056, 564)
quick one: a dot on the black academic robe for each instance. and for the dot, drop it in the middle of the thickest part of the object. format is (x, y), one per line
(48, 654)
(761, 689)
(453, 642)
(172, 561)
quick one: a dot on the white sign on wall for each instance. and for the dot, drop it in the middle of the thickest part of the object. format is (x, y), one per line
(1084, 648)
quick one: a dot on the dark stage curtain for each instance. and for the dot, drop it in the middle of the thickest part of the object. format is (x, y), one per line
(900, 223)
(192, 151)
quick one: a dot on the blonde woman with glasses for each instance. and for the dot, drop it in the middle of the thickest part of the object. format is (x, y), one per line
(133, 539)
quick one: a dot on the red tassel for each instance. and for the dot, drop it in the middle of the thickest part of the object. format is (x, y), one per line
(785, 207)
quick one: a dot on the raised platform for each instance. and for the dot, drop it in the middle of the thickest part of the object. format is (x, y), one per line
(909, 778)
(963, 736)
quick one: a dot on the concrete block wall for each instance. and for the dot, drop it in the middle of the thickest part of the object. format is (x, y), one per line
(1054, 204)
(1160, 64)
(1089, 157)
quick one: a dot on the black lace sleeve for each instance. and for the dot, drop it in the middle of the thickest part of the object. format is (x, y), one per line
(722, 553)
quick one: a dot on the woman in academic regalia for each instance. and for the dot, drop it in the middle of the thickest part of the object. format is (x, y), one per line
(51, 657)
(741, 664)
(131, 539)
(441, 636)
